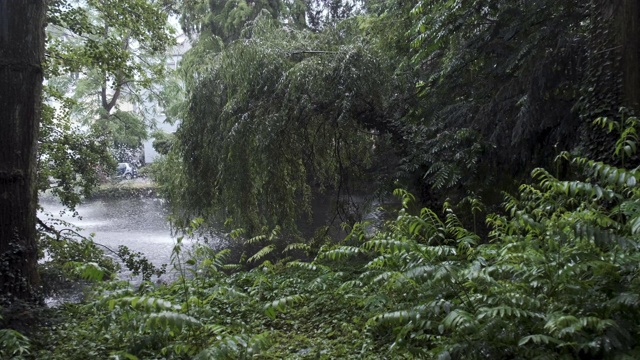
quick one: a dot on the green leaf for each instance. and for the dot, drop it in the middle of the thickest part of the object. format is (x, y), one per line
(538, 339)
(282, 304)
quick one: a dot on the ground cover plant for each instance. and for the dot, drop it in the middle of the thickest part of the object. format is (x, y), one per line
(557, 278)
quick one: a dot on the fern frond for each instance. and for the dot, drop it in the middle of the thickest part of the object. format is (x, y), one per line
(602, 237)
(627, 299)
(280, 305)
(442, 251)
(351, 285)
(391, 245)
(505, 311)
(406, 197)
(459, 319)
(395, 318)
(220, 258)
(616, 177)
(231, 267)
(171, 320)
(420, 272)
(262, 253)
(308, 266)
(146, 303)
(237, 233)
(387, 276)
(383, 261)
(539, 339)
(256, 239)
(340, 252)
(561, 325)
(297, 246)
(88, 271)
(228, 292)
(610, 175)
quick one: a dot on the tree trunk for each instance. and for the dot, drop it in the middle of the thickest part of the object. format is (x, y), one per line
(22, 40)
(629, 38)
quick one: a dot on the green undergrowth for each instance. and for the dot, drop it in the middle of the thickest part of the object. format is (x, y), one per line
(556, 278)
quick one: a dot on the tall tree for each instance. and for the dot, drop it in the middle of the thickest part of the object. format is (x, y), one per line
(118, 46)
(226, 19)
(22, 40)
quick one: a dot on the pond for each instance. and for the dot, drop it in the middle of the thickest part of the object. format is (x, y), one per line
(138, 223)
(141, 224)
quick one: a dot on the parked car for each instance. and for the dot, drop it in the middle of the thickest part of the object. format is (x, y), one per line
(126, 171)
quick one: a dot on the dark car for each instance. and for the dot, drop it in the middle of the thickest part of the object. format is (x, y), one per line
(126, 171)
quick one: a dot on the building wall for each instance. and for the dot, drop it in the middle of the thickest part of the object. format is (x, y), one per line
(150, 154)
(173, 60)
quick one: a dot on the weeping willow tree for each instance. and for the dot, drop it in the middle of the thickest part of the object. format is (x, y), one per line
(280, 118)
(226, 19)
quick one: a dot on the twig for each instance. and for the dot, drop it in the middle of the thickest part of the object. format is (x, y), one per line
(59, 235)
(296, 52)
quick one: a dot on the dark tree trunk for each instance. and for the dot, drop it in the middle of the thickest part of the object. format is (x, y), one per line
(629, 38)
(22, 39)
(623, 51)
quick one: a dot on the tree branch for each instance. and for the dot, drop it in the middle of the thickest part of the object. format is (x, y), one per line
(59, 235)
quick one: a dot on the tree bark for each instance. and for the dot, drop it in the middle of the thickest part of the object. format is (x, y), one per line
(22, 38)
(624, 50)
(629, 37)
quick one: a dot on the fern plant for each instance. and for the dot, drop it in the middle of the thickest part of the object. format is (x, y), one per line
(555, 280)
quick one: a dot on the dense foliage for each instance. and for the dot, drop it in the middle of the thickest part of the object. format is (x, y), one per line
(557, 278)
(452, 93)
(287, 104)
(107, 58)
(71, 163)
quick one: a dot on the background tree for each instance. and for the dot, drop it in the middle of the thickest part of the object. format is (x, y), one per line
(21, 57)
(625, 19)
(71, 161)
(119, 48)
(322, 12)
(611, 75)
(226, 19)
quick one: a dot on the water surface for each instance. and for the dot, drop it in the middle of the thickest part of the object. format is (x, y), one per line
(138, 223)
